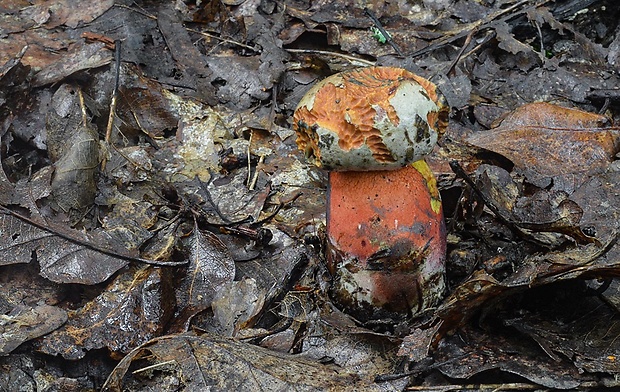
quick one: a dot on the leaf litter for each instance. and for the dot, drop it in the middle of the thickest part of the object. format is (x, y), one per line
(179, 235)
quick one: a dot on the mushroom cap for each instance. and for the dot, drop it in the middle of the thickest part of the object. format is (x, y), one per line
(375, 118)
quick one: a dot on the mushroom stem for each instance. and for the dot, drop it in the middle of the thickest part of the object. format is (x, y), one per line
(386, 241)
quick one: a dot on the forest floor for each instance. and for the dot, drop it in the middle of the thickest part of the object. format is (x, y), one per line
(160, 230)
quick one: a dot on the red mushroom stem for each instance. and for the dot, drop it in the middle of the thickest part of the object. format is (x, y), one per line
(386, 241)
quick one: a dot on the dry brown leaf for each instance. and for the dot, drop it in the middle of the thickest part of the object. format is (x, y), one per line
(545, 141)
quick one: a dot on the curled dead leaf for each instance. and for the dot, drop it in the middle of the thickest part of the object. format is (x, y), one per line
(547, 141)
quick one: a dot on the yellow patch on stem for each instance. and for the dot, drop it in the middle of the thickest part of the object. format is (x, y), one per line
(431, 183)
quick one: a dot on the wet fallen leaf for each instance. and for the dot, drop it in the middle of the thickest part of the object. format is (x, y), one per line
(544, 212)
(37, 25)
(236, 306)
(210, 268)
(27, 193)
(81, 56)
(24, 323)
(186, 55)
(219, 364)
(144, 107)
(572, 333)
(131, 310)
(507, 41)
(249, 78)
(130, 221)
(274, 270)
(64, 255)
(76, 154)
(229, 199)
(162, 245)
(70, 12)
(417, 344)
(200, 129)
(470, 353)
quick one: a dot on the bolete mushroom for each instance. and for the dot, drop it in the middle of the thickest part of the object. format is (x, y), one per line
(386, 245)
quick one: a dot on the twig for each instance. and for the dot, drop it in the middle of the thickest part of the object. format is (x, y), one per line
(82, 107)
(249, 153)
(229, 41)
(334, 54)
(386, 35)
(280, 205)
(252, 184)
(112, 114)
(480, 24)
(460, 54)
(517, 386)
(483, 41)
(215, 208)
(87, 244)
(154, 366)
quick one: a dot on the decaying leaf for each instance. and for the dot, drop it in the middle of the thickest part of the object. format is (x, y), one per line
(220, 364)
(571, 333)
(237, 305)
(81, 56)
(185, 53)
(546, 141)
(417, 344)
(60, 259)
(541, 213)
(471, 353)
(74, 148)
(276, 267)
(507, 41)
(210, 268)
(25, 323)
(200, 128)
(229, 199)
(27, 193)
(131, 310)
(144, 107)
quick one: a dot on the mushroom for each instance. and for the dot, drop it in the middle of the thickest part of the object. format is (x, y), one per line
(386, 238)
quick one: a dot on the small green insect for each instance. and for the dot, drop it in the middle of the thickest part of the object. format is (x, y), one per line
(378, 35)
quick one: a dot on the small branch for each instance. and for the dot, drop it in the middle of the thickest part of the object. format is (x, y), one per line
(249, 154)
(252, 184)
(112, 114)
(460, 54)
(386, 35)
(82, 107)
(87, 244)
(480, 387)
(480, 24)
(229, 41)
(333, 54)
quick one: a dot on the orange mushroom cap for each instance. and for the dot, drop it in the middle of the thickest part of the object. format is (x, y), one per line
(372, 118)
